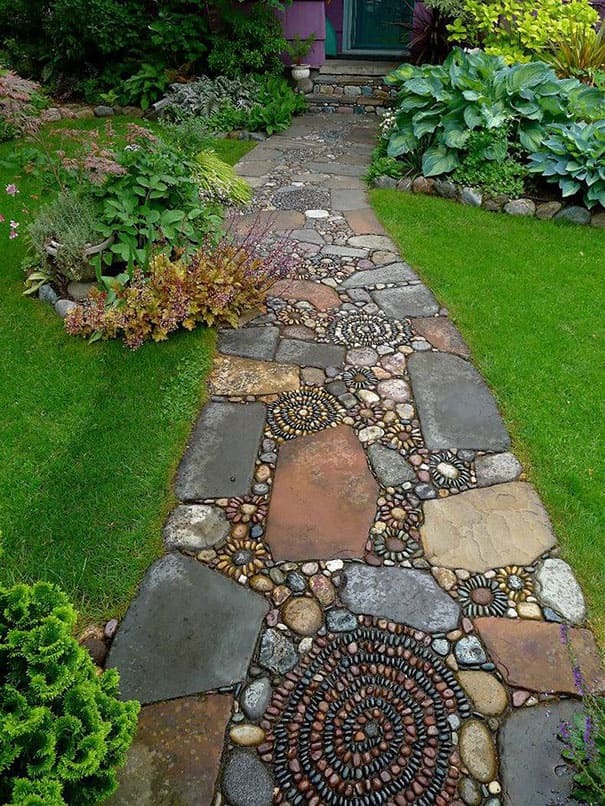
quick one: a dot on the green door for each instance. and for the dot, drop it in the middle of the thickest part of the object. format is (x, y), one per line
(377, 26)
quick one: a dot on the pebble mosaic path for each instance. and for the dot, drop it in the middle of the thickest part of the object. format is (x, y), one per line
(361, 601)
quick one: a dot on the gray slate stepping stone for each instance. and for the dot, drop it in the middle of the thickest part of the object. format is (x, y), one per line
(346, 199)
(344, 251)
(188, 630)
(219, 462)
(413, 300)
(496, 468)
(532, 769)
(309, 354)
(246, 780)
(395, 273)
(249, 342)
(389, 466)
(193, 527)
(455, 407)
(399, 594)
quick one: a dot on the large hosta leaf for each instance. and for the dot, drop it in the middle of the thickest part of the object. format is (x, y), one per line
(401, 142)
(439, 160)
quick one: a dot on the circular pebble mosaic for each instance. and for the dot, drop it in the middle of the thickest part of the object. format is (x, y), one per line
(359, 378)
(240, 558)
(397, 544)
(363, 721)
(360, 329)
(449, 472)
(303, 411)
(480, 596)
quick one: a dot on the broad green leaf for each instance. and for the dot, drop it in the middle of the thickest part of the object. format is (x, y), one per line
(439, 160)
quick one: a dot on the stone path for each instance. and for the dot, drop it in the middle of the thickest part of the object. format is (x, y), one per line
(361, 600)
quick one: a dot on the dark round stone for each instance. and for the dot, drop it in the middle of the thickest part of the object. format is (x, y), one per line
(97, 650)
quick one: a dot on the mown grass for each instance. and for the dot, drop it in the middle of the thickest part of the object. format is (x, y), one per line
(90, 436)
(528, 297)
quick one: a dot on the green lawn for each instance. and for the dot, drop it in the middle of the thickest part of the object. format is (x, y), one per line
(528, 297)
(90, 436)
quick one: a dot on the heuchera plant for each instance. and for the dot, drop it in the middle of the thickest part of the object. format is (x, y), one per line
(213, 286)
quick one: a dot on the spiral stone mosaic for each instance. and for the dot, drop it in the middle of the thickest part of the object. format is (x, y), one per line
(363, 720)
(303, 412)
(242, 558)
(404, 436)
(449, 472)
(480, 596)
(359, 329)
(516, 582)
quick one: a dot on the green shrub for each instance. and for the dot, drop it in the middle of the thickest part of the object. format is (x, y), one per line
(581, 56)
(573, 156)
(519, 30)
(476, 91)
(63, 730)
(489, 164)
(250, 41)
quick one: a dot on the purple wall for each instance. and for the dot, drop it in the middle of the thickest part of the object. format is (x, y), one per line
(306, 17)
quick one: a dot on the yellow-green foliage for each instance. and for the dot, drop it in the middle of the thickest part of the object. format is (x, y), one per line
(520, 30)
(63, 730)
(218, 180)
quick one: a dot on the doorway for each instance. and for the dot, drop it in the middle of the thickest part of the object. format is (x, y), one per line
(377, 27)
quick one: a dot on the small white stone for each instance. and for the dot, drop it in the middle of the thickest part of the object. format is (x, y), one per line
(317, 213)
(305, 646)
(405, 411)
(368, 397)
(370, 434)
(309, 569)
(494, 788)
(335, 565)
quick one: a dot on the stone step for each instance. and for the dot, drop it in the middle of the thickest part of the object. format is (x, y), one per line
(355, 67)
(359, 104)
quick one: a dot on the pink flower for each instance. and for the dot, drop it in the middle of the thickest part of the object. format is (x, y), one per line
(14, 224)
(12, 189)
(13, 234)
(2, 219)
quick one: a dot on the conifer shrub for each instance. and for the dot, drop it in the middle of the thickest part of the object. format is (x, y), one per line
(63, 730)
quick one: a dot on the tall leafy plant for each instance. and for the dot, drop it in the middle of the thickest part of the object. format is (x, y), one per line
(63, 730)
(473, 91)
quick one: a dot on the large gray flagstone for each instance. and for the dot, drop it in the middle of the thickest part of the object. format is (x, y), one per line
(532, 769)
(309, 354)
(455, 407)
(219, 462)
(188, 630)
(393, 273)
(249, 342)
(412, 300)
(403, 595)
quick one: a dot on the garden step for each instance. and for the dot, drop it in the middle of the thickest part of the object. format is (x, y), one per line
(359, 104)
(353, 67)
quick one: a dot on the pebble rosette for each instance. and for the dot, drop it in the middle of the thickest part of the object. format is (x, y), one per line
(364, 720)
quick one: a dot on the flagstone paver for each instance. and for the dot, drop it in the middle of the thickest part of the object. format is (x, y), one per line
(530, 751)
(234, 375)
(402, 621)
(401, 594)
(487, 528)
(176, 754)
(323, 497)
(250, 342)
(220, 458)
(455, 406)
(532, 655)
(188, 630)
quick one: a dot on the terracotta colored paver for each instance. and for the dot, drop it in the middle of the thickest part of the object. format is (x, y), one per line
(364, 222)
(321, 296)
(324, 497)
(176, 753)
(233, 375)
(442, 334)
(532, 655)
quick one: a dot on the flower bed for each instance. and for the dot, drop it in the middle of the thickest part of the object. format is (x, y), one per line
(478, 129)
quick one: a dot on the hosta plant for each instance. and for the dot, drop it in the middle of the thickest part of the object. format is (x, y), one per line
(63, 730)
(473, 91)
(573, 156)
(519, 30)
